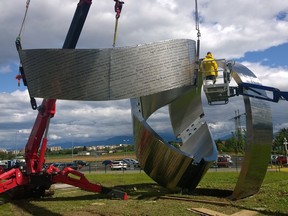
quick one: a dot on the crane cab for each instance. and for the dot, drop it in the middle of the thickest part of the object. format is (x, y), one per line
(218, 92)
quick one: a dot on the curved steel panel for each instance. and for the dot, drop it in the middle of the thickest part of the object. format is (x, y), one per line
(259, 138)
(170, 167)
(186, 114)
(151, 103)
(109, 74)
(198, 149)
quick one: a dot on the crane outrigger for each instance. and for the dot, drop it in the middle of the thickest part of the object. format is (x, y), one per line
(35, 178)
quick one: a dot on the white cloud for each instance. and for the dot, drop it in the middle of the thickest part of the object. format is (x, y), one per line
(54, 137)
(228, 28)
(5, 69)
(275, 77)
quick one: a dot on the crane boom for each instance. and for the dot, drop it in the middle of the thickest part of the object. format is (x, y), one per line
(37, 178)
(47, 109)
(277, 94)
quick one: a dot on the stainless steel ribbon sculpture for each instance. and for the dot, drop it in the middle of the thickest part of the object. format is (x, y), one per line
(152, 76)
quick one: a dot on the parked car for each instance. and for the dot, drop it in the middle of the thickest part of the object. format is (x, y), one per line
(71, 165)
(2, 169)
(224, 161)
(273, 159)
(107, 162)
(63, 165)
(81, 162)
(136, 163)
(118, 165)
(4, 164)
(131, 162)
(281, 159)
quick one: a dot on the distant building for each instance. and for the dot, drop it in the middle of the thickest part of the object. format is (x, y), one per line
(55, 148)
(101, 147)
(101, 152)
(3, 150)
(91, 148)
(15, 152)
(84, 153)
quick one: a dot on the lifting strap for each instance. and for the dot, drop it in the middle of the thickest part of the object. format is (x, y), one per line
(21, 74)
(26, 11)
(118, 9)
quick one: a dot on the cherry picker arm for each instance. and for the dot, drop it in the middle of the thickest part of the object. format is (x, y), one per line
(221, 92)
(35, 178)
(276, 93)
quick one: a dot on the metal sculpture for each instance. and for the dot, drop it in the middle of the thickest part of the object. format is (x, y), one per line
(109, 74)
(155, 75)
(259, 137)
(184, 168)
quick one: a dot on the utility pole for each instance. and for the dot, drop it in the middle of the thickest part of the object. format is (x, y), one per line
(197, 27)
(238, 130)
(237, 119)
(72, 147)
(285, 143)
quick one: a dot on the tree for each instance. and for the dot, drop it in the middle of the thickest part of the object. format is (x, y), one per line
(228, 145)
(240, 141)
(6, 155)
(234, 143)
(279, 140)
(175, 144)
(220, 145)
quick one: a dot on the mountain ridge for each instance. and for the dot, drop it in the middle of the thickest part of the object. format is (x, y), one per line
(111, 141)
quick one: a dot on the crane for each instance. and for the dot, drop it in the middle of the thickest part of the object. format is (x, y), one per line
(35, 178)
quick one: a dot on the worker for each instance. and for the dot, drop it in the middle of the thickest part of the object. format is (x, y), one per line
(209, 67)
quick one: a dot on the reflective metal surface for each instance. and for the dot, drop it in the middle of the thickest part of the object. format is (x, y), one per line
(259, 138)
(174, 168)
(198, 149)
(155, 75)
(109, 74)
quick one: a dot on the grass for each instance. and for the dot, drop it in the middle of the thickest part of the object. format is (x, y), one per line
(91, 158)
(148, 198)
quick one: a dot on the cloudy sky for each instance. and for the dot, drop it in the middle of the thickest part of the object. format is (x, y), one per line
(253, 33)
